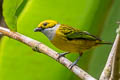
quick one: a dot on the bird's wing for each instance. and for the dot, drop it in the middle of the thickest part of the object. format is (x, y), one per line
(81, 35)
(72, 33)
(77, 34)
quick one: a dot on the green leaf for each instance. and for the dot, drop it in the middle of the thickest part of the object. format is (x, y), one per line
(9, 12)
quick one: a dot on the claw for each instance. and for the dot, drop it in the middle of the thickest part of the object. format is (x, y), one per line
(75, 62)
(62, 55)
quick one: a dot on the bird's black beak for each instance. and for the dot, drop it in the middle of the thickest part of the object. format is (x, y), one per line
(38, 29)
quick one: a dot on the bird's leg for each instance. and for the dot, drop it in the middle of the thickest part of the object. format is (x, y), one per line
(62, 55)
(76, 61)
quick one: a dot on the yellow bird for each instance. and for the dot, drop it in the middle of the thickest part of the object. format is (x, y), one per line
(68, 38)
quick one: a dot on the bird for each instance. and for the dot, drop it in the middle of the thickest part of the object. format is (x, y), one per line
(68, 38)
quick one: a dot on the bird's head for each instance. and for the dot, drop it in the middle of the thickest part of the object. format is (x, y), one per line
(45, 25)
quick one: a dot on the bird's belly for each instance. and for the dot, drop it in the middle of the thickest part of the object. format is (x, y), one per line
(72, 45)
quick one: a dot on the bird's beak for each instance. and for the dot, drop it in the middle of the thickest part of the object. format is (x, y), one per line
(38, 29)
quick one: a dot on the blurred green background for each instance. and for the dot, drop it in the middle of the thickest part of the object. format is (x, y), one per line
(19, 62)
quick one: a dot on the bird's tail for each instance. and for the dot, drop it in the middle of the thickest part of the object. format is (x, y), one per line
(109, 43)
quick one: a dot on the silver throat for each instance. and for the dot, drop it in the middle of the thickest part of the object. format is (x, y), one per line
(50, 32)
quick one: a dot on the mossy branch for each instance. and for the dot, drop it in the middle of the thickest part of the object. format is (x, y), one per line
(47, 51)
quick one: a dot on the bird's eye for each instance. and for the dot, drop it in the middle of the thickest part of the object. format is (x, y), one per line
(45, 24)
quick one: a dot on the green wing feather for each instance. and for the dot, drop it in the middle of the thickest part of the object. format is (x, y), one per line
(81, 35)
(72, 33)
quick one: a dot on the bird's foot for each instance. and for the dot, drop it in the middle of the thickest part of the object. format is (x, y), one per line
(62, 55)
(74, 63)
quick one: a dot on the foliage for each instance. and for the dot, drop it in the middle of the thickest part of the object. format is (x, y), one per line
(109, 32)
(9, 12)
(19, 62)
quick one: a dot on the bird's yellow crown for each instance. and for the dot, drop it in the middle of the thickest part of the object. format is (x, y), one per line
(47, 24)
